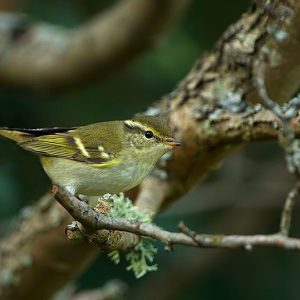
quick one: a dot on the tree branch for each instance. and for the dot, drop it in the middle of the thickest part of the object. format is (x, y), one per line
(208, 113)
(219, 85)
(37, 249)
(113, 290)
(241, 241)
(286, 215)
(43, 56)
(94, 220)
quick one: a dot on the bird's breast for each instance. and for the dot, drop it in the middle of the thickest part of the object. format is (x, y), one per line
(91, 180)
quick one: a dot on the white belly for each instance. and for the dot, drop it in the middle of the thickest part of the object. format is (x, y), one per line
(81, 178)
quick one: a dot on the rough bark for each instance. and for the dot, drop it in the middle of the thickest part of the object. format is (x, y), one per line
(207, 108)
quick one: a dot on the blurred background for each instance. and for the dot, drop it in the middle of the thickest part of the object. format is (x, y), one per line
(244, 196)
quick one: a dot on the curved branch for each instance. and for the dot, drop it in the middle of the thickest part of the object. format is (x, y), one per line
(112, 290)
(283, 72)
(43, 56)
(97, 221)
(38, 250)
(218, 84)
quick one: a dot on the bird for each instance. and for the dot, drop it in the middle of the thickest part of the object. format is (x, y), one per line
(103, 158)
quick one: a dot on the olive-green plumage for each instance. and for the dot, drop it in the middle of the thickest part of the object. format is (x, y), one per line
(106, 157)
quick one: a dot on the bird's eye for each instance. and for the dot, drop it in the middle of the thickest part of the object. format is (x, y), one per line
(148, 134)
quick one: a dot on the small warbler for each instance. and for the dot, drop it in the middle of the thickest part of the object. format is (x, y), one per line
(107, 157)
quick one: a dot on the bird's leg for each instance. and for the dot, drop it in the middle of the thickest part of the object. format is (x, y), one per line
(71, 189)
(83, 198)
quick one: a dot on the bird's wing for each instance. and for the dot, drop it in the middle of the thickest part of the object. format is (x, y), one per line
(75, 144)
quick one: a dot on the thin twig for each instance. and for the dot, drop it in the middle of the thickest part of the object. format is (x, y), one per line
(286, 215)
(241, 241)
(261, 88)
(287, 140)
(96, 221)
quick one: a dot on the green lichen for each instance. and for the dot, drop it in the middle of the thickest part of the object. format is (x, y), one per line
(7, 277)
(277, 33)
(232, 101)
(115, 256)
(140, 257)
(26, 260)
(122, 207)
(293, 156)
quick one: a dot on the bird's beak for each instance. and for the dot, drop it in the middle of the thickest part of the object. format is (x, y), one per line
(172, 142)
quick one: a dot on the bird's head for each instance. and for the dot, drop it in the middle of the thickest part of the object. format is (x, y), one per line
(150, 135)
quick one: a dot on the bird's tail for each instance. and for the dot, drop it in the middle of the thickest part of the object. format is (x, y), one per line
(16, 135)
